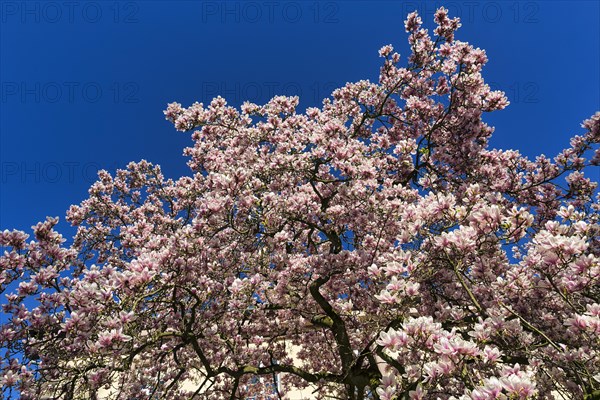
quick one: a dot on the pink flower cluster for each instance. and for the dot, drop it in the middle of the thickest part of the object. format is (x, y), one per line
(374, 247)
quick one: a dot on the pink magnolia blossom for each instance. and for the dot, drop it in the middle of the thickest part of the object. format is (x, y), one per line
(373, 247)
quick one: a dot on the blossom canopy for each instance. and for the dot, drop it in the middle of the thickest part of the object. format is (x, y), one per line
(372, 248)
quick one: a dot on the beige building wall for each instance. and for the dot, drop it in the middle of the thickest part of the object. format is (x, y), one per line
(190, 385)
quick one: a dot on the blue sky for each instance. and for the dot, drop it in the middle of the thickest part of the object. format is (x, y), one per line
(84, 83)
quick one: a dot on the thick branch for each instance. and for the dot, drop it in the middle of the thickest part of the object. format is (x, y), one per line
(338, 327)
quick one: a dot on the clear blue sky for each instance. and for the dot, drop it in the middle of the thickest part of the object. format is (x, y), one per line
(84, 83)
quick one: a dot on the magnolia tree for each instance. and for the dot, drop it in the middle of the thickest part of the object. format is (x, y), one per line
(375, 247)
